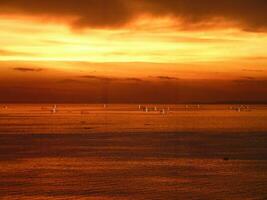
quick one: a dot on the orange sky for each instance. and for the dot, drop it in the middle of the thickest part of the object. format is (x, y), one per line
(153, 41)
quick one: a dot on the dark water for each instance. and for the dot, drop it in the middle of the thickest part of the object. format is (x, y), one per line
(169, 159)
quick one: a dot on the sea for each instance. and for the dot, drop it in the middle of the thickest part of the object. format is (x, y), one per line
(132, 152)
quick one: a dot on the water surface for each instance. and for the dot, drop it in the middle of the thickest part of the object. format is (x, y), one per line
(120, 152)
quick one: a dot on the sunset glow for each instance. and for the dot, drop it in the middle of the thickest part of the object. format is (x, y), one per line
(133, 99)
(133, 40)
(145, 40)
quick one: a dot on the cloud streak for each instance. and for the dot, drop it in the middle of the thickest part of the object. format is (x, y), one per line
(4, 52)
(251, 15)
(27, 69)
(167, 78)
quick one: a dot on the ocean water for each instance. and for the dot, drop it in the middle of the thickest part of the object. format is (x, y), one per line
(121, 152)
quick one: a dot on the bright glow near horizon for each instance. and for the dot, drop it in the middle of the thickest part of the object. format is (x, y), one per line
(155, 41)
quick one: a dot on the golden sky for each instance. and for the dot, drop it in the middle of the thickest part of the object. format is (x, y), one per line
(149, 40)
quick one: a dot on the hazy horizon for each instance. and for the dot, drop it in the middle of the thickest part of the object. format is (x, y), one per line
(83, 82)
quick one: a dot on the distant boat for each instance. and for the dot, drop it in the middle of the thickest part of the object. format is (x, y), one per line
(54, 109)
(226, 159)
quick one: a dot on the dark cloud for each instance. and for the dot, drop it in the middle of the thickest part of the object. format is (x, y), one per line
(27, 69)
(102, 78)
(94, 13)
(98, 78)
(250, 14)
(168, 78)
(134, 79)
